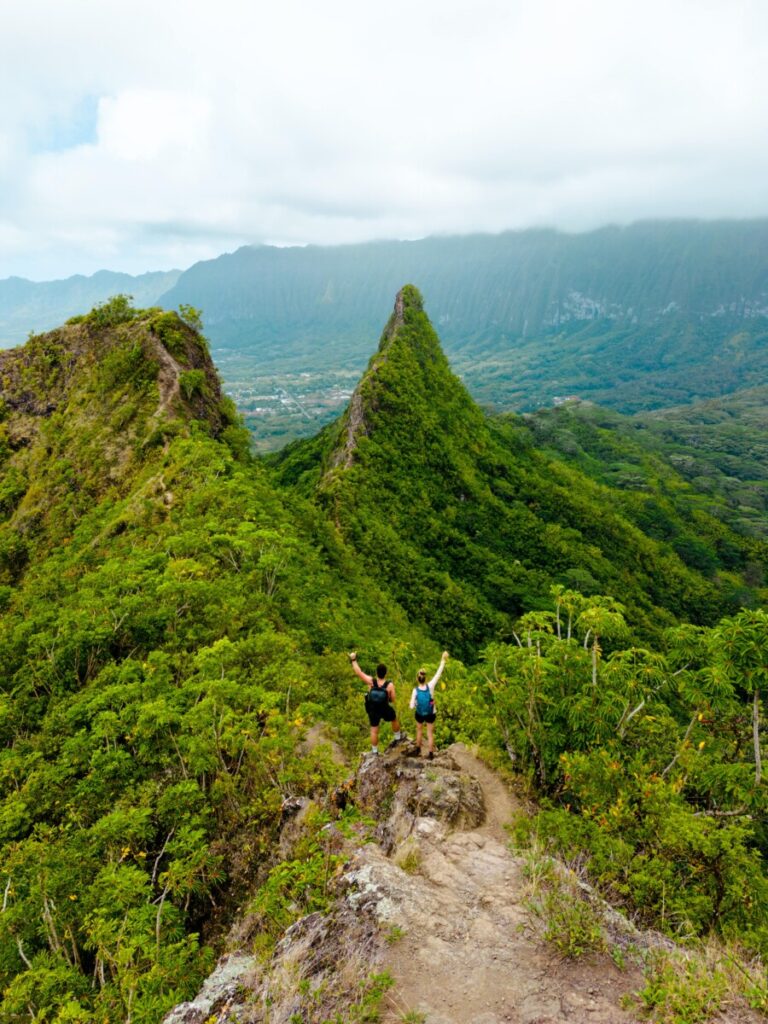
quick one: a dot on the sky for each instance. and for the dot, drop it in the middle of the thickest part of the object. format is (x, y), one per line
(148, 135)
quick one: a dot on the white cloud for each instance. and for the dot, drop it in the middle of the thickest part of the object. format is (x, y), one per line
(146, 124)
(224, 123)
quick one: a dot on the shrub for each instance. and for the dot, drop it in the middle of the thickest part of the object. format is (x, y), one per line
(193, 382)
(117, 310)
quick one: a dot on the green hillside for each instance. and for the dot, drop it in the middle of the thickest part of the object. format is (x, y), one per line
(710, 456)
(175, 614)
(603, 676)
(169, 622)
(469, 524)
(721, 446)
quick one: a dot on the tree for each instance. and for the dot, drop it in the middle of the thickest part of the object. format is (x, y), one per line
(740, 649)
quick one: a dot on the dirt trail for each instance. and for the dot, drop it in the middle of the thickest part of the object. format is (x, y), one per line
(168, 380)
(500, 805)
(469, 954)
(443, 909)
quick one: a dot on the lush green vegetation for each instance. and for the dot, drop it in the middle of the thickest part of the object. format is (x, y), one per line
(650, 759)
(175, 613)
(674, 463)
(646, 762)
(169, 627)
(469, 525)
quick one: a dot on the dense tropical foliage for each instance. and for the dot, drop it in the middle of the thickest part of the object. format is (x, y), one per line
(175, 613)
(469, 523)
(646, 762)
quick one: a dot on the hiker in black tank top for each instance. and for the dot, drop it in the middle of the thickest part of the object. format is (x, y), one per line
(379, 701)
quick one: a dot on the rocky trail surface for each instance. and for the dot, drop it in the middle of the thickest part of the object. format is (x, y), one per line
(470, 952)
(439, 904)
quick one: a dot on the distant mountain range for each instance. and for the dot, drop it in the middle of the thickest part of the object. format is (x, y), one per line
(647, 316)
(516, 285)
(640, 317)
(39, 306)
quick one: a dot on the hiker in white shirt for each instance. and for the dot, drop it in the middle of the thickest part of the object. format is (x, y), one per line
(423, 703)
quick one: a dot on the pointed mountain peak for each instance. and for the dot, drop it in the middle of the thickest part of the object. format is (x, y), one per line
(409, 297)
(407, 381)
(409, 324)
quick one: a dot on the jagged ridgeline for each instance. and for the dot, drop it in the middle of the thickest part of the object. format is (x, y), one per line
(468, 525)
(84, 408)
(175, 613)
(168, 626)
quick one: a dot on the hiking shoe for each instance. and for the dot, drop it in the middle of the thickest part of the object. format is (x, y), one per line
(430, 756)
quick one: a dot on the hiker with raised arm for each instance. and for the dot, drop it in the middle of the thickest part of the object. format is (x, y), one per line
(423, 704)
(379, 701)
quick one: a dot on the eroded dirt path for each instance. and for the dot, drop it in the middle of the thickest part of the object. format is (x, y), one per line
(500, 804)
(469, 953)
(440, 902)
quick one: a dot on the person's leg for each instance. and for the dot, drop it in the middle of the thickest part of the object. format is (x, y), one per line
(431, 736)
(375, 738)
(390, 715)
(419, 730)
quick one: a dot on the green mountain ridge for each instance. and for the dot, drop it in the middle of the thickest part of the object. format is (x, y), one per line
(470, 525)
(81, 405)
(175, 614)
(169, 621)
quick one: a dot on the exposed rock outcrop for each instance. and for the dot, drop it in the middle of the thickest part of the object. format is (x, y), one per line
(220, 991)
(438, 908)
(399, 788)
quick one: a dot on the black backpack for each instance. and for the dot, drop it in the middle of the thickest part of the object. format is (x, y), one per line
(378, 694)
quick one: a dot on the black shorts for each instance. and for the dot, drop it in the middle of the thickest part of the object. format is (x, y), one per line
(380, 713)
(426, 718)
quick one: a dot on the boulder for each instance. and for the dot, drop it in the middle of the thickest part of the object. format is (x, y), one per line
(398, 786)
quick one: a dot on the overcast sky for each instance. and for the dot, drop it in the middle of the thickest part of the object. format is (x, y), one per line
(146, 135)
